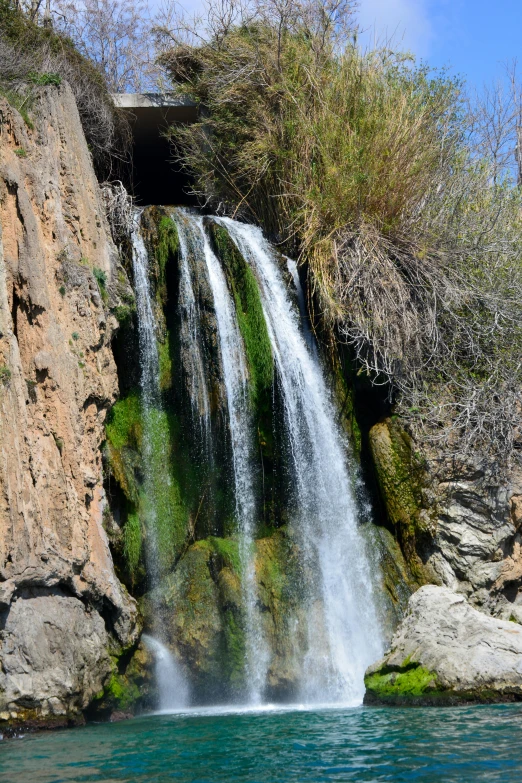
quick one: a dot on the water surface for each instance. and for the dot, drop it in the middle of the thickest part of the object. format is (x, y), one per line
(457, 745)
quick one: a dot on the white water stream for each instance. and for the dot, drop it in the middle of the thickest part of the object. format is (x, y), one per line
(173, 689)
(343, 627)
(235, 377)
(342, 623)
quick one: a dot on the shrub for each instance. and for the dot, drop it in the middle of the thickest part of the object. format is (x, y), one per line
(21, 152)
(359, 165)
(45, 79)
(101, 279)
(5, 375)
(32, 56)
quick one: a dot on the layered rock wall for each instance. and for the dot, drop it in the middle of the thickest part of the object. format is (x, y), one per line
(62, 609)
(459, 522)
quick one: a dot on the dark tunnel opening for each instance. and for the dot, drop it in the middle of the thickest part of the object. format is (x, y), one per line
(155, 177)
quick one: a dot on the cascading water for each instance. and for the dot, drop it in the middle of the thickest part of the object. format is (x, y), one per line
(172, 686)
(312, 477)
(190, 331)
(193, 239)
(344, 635)
(155, 454)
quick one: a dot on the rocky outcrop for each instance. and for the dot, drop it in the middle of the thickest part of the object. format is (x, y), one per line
(63, 612)
(458, 522)
(447, 652)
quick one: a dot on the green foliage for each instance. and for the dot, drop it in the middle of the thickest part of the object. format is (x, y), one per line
(75, 336)
(62, 290)
(123, 313)
(19, 101)
(45, 79)
(5, 375)
(124, 423)
(33, 56)
(101, 279)
(249, 313)
(21, 153)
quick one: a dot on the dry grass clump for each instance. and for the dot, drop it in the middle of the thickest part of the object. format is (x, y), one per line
(359, 164)
(32, 56)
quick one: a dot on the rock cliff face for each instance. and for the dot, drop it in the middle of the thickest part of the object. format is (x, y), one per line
(459, 524)
(63, 612)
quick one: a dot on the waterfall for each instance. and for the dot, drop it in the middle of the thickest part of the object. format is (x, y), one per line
(190, 329)
(193, 239)
(172, 686)
(343, 629)
(156, 461)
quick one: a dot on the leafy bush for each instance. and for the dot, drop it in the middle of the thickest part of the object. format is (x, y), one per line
(45, 79)
(5, 375)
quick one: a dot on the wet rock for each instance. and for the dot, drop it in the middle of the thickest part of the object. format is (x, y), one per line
(446, 652)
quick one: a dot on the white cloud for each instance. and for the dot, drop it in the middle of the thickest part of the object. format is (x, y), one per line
(406, 22)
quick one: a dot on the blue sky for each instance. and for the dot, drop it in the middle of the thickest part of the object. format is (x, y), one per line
(474, 37)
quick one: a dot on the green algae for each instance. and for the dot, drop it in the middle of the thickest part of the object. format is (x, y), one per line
(124, 422)
(400, 476)
(249, 311)
(132, 543)
(409, 682)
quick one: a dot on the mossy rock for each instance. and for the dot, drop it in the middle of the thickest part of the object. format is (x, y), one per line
(409, 684)
(249, 310)
(282, 592)
(200, 604)
(130, 687)
(401, 474)
(397, 581)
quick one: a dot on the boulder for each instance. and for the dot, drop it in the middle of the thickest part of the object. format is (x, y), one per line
(446, 652)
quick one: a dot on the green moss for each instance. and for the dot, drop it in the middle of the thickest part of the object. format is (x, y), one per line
(400, 475)
(165, 362)
(124, 432)
(121, 694)
(228, 550)
(409, 682)
(124, 425)
(167, 243)
(132, 544)
(249, 310)
(161, 500)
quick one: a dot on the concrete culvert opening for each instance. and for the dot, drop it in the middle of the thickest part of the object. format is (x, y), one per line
(155, 177)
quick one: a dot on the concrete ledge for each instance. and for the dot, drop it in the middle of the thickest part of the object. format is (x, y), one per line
(149, 100)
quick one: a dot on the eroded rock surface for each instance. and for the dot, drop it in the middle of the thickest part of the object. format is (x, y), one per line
(459, 523)
(61, 605)
(445, 651)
